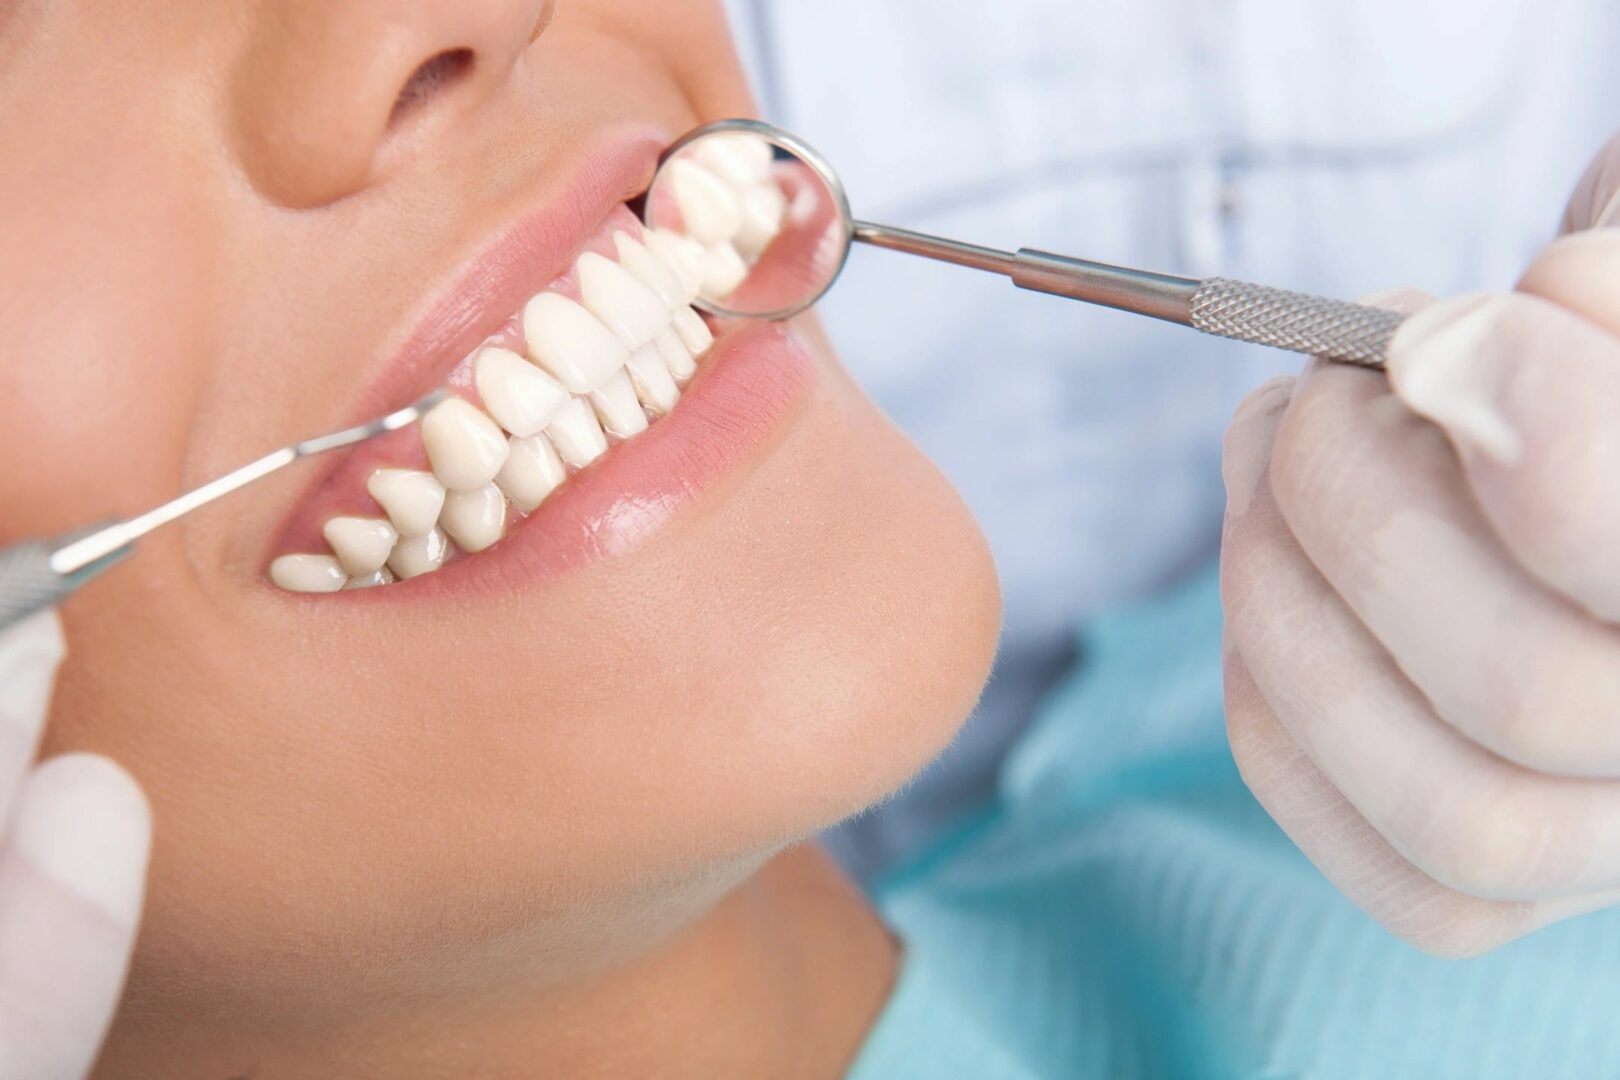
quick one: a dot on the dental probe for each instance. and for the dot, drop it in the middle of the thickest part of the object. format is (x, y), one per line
(41, 572)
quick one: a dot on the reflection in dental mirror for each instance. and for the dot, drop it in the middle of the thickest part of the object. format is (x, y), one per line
(752, 214)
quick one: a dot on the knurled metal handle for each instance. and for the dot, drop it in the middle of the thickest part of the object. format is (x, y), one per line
(1350, 333)
(27, 582)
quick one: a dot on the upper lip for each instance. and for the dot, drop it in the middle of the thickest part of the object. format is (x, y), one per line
(492, 283)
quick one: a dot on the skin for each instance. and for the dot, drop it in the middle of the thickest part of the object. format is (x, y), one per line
(482, 832)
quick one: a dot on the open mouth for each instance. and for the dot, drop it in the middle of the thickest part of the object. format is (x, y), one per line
(593, 360)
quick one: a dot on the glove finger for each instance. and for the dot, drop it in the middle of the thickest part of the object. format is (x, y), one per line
(1341, 843)
(1529, 394)
(30, 653)
(72, 874)
(1462, 815)
(1580, 272)
(1596, 202)
(1351, 854)
(1381, 505)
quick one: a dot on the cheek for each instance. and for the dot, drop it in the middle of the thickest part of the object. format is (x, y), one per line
(607, 753)
(110, 348)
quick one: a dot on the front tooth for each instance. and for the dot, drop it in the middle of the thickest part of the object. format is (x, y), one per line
(763, 207)
(371, 581)
(571, 343)
(532, 471)
(740, 158)
(412, 499)
(694, 332)
(654, 384)
(710, 210)
(522, 398)
(684, 255)
(654, 272)
(308, 573)
(475, 519)
(360, 544)
(577, 435)
(419, 555)
(674, 355)
(723, 271)
(464, 446)
(617, 405)
(627, 306)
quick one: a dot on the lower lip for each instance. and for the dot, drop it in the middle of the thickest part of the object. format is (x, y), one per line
(744, 393)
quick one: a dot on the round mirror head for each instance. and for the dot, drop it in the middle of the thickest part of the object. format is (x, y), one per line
(755, 218)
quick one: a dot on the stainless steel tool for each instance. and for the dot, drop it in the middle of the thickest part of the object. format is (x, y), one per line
(37, 573)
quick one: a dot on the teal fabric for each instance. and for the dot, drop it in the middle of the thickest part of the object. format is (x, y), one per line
(1127, 910)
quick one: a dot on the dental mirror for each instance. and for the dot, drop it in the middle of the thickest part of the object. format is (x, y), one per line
(763, 220)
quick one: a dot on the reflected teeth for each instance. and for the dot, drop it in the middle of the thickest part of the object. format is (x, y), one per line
(739, 158)
(624, 304)
(412, 499)
(361, 544)
(577, 435)
(731, 210)
(463, 445)
(475, 519)
(723, 270)
(599, 367)
(763, 208)
(710, 210)
(522, 398)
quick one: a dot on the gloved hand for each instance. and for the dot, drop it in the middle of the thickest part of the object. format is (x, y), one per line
(1421, 577)
(72, 873)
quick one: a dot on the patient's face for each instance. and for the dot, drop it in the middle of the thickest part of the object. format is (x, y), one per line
(228, 226)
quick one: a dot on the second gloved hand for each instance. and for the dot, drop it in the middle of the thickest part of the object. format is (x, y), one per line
(1422, 584)
(72, 873)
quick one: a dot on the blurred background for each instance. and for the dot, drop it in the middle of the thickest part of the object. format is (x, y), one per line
(1335, 146)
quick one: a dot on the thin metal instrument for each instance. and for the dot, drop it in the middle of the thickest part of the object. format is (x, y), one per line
(1349, 333)
(40, 572)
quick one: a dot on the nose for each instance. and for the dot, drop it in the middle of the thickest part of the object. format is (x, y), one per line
(324, 88)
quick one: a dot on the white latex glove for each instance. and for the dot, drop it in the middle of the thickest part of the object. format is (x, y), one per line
(1422, 586)
(72, 874)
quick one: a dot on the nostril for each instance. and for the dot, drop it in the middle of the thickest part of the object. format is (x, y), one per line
(433, 77)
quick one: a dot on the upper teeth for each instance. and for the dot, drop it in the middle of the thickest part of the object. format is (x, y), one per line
(731, 210)
(609, 361)
(709, 207)
(571, 343)
(464, 446)
(522, 398)
(621, 300)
